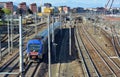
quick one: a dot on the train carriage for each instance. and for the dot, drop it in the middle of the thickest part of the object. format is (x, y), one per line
(37, 47)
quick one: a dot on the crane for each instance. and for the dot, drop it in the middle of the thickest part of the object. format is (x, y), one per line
(106, 5)
(41, 3)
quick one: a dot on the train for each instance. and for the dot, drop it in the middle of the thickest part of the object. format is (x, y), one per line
(37, 46)
(29, 19)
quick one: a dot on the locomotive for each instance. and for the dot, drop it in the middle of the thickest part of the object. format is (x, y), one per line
(37, 46)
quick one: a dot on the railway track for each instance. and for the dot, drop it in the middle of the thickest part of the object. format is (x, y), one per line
(15, 44)
(97, 60)
(90, 70)
(28, 33)
(4, 38)
(115, 40)
(108, 44)
(31, 69)
(13, 62)
(111, 68)
(112, 52)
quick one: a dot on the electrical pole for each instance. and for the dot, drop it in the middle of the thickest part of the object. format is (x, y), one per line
(35, 23)
(11, 32)
(49, 52)
(52, 29)
(53, 40)
(94, 25)
(20, 46)
(70, 35)
(60, 25)
(8, 34)
(0, 49)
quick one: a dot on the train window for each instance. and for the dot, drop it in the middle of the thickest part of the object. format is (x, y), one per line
(106, 28)
(35, 47)
(67, 19)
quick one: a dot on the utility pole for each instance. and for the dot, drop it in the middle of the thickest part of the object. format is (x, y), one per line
(52, 29)
(35, 23)
(65, 22)
(60, 25)
(94, 25)
(70, 35)
(53, 41)
(11, 32)
(20, 45)
(49, 52)
(0, 49)
(8, 34)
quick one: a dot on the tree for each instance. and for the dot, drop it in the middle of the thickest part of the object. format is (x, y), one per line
(20, 11)
(6, 11)
(1, 13)
(29, 11)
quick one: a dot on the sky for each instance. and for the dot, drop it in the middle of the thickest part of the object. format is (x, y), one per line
(71, 3)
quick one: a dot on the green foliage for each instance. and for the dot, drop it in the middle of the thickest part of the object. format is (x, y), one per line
(29, 11)
(1, 12)
(6, 11)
